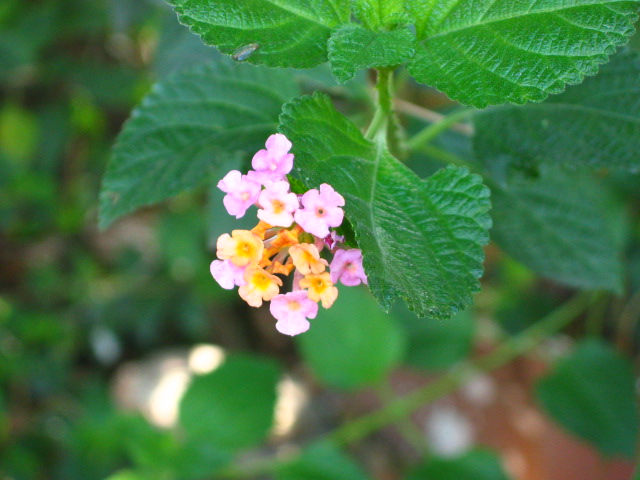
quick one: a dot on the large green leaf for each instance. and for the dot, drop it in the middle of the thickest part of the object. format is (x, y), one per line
(287, 33)
(592, 394)
(353, 47)
(594, 124)
(184, 128)
(483, 52)
(563, 226)
(475, 465)
(231, 407)
(339, 347)
(421, 239)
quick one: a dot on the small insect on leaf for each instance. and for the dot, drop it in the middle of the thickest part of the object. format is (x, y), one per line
(242, 53)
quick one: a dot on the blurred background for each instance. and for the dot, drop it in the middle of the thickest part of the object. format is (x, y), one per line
(102, 332)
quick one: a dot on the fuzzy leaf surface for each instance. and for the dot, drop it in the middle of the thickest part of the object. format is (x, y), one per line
(377, 13)
(596, 124)
(185, 128)
(562, 226)
(353, 47)
(421, 239)
(289, 33)
(485, 52)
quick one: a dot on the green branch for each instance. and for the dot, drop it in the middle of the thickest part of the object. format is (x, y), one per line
(432, 131)
(378, 127)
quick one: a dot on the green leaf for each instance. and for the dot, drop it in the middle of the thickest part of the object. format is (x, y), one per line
(287, 33)
(321, 461)
(483, 52)
(592, 394)
(231, 407)
(435, 344)
(595, 124)
(421, 239)
(340, 346)
(353, 47)
(185, 128)
(562, 226)
(380, 13)
(475, 465)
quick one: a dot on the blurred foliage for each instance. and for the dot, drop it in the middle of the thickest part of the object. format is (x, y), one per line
(77, 305)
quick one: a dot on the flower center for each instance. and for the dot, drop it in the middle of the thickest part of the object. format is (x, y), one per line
(320, 212)
(244, 196)
(294, 305)
(278, 206)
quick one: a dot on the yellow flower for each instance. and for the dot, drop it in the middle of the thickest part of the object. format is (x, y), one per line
(320, 288)
(260, 286)
(307, 259)
(242, 248)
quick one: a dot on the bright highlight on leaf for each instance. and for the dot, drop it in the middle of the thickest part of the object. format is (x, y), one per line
(421, 240)
(483, 52)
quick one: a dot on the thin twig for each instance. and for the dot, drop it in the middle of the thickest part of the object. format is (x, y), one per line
(430, 116)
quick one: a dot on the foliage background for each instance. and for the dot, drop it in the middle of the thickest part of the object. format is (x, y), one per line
(78, 306)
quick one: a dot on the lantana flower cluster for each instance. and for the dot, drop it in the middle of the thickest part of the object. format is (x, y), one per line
(295, 235)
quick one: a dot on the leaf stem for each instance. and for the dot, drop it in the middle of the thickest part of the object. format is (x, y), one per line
(378, 127)
(432, 131)
(458, 375)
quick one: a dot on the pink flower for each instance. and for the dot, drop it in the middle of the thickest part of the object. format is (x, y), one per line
(346, 266)
(227, 274)
(273, 163)
(241, 192)
(292, 310)
(321, 211)
(277, 204)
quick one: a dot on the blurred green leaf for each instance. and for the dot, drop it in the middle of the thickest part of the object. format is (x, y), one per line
(436, 344)
(288, 33)
(596, 124)
(563, 226)
(353, 343)
(231, 407)
(183, 130)
(483, 52)
(475, 465)
(591, 393)
(18, 132)
(321, 461)
(353, 47)
(127, 475)
(421, 239)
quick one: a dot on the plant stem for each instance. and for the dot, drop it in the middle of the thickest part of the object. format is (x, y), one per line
(458, 375)
(432, 131)
(378, 127)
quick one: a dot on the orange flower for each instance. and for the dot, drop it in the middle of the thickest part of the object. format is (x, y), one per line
(242, 248)
(260, 286)
(320, 288)
(307, 259)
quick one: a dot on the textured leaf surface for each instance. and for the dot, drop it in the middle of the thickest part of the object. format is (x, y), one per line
(591, 393)
(184, 128)
(594, 124)
(338, 352)
(321, 461)
(353, 47)
(476, 465)
(421, 239)
(379, 13)
(289, 33)
(483, 52)
(231, 407)
(563, 226)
